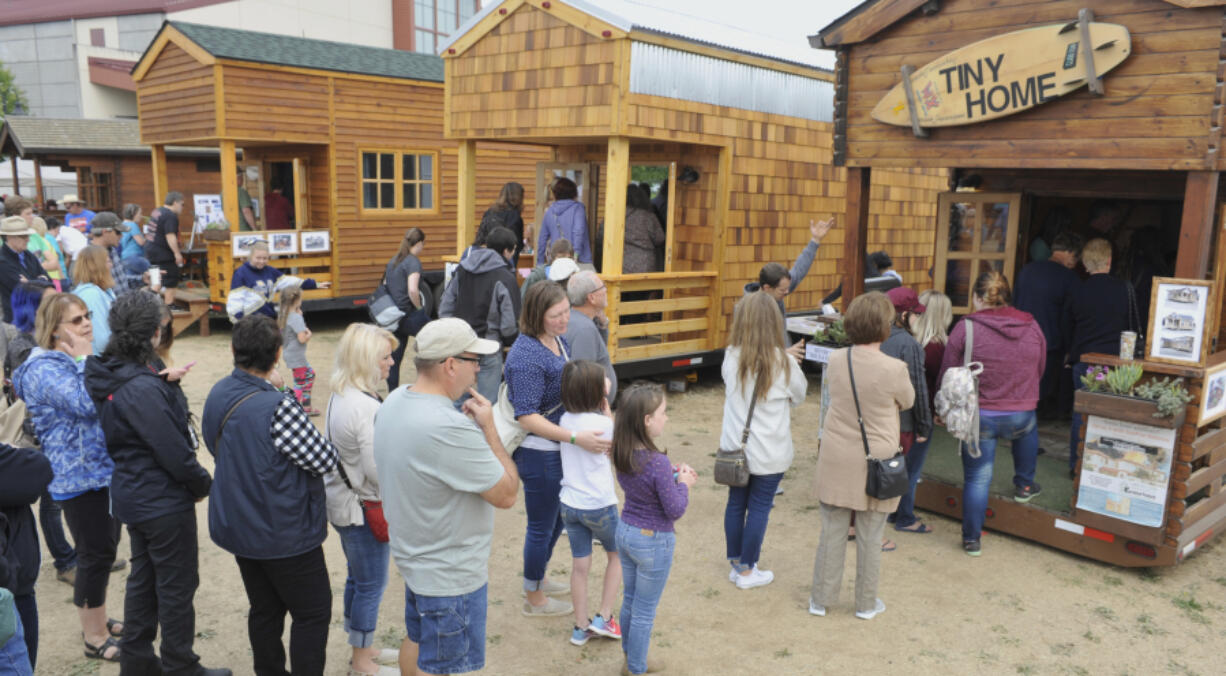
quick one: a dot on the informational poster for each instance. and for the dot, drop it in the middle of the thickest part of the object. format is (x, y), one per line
(1125, 470)
(1178, 320)
(207, 209)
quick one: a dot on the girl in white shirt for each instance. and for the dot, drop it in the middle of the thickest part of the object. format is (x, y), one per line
(588, 500)
(756, 359)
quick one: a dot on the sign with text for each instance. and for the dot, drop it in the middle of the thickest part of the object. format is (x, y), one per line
(1125, 470)
(1003, 75)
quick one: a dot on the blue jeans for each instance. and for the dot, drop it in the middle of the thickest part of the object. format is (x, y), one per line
(52, 522)
(541, 472)
(14, 657)
(646, 560)
(904, 516)
(449, 630)
(584, 524)
(745, 518)
(1074, 433)
(1021, 428)
(367, 561)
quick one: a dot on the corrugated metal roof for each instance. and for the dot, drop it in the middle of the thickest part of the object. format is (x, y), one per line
(283, 50)
(637, 15)
(45, 135)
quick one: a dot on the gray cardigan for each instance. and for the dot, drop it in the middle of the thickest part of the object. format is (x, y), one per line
(902, 345)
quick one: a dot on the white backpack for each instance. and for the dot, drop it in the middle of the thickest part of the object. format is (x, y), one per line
(957, 400)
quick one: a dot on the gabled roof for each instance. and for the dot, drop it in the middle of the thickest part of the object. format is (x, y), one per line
(629, 16)
(76, 136)
(283, 50)
(873, 16)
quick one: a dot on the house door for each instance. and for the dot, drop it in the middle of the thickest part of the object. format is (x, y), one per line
(977, 232)
(584, 176)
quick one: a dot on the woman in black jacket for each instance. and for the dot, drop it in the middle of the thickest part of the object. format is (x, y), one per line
(24, 475)
(154, 487)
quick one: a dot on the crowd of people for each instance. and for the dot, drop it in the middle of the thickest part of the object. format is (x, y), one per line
(514, 386)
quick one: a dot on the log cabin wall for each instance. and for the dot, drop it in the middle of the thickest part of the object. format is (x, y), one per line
(1157, 113)
(176, 99)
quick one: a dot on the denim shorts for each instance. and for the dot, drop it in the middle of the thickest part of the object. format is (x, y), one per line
(584, 524)
(449, 630)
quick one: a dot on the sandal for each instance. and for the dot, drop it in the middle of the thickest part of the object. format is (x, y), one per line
(98, 652)
(917, 527)
(888, 546)
(110, 628)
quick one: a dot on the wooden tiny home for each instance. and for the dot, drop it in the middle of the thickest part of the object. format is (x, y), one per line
(353, 134)
(606, 92)
(1142, 137)
(111, 164)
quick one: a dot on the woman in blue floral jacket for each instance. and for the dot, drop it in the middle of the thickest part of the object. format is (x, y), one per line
(52, 384)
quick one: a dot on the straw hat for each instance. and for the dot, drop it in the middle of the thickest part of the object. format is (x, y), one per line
(70, 198)
(14, 225)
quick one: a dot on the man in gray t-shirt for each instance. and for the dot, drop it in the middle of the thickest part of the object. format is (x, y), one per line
(442, 472)
(587, 334)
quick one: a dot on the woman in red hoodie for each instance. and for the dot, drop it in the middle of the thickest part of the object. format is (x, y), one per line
(1011, 347)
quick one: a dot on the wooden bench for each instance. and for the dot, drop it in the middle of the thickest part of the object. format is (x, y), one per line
(198, 306)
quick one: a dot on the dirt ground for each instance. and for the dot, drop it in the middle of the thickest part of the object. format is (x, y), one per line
(1020, 608)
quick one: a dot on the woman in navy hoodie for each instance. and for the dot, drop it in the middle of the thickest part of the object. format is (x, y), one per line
(1013, 351)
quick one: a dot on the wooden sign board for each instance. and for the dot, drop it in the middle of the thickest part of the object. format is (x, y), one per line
(1004, 75)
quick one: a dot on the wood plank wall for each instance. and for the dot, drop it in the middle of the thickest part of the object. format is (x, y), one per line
(275, 104)
(536, 75)
(175, 100)
(1156, 113)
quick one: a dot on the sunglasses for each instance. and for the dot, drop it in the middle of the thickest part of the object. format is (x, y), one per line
(79, 319)
(469, 359)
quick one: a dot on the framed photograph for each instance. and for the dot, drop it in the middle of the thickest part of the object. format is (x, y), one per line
(241, 242)
(1213, 395)
(282, 243)
(1179, 314)
(315, 241)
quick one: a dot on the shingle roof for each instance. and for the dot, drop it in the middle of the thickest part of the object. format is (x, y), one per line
(42, 135)
(283, 50)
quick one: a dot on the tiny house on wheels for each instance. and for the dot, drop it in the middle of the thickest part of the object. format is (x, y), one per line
(1103, 117)
(740, 136)
(352, 136)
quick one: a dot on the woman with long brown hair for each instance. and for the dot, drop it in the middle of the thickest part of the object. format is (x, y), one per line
(402, 279)
(757, 365)
(508, 213)
(657, 494)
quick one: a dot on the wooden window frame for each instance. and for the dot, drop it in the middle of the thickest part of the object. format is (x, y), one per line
(942, 255)
(398, 182)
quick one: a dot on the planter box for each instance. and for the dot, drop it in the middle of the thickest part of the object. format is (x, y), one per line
(1128, 409)
(217, 235)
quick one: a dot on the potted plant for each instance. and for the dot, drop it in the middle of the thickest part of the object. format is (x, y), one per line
(217, 231)
(1115, 393)
(831, 335)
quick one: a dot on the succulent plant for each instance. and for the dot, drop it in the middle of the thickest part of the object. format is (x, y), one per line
(831, 334)
(1170, 395)
(1121, 379)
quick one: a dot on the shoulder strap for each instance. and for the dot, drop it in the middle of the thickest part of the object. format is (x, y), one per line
(221, 428)
(340, 466)
(970, 342)
(753, 402)
(859, 416)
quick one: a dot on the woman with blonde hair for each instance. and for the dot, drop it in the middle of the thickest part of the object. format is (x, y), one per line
(756, 366)
(868, 389)
(96, 287)
(363, 359)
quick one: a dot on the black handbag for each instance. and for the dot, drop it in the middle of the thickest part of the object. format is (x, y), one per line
(887, 479)
(732, 467)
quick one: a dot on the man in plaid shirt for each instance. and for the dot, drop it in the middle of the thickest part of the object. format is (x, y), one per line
(267, 504)
(106, 232)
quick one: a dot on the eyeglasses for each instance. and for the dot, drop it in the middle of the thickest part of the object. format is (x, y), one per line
(599, 288)
(469, 359)
(79, 319)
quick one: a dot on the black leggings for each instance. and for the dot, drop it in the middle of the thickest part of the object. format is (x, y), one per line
(409, 325)
(96, 534)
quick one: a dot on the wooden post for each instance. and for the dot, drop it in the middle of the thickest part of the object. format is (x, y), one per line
(1196, 229)
(616, 178)
(718, 319)
(16, 180)
(38, 183)
(467, 196)
(160, 182)
(229, 184)
(855, 237)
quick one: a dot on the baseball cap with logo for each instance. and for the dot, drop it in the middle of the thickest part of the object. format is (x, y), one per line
(107, 220)
(443, 338)
(905, 299)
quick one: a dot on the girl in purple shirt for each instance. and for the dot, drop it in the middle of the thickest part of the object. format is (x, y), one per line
(656, 496)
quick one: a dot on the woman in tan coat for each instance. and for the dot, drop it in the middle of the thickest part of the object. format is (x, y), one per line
(884, 389)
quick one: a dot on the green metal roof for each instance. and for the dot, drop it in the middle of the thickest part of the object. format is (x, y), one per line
(283, 50)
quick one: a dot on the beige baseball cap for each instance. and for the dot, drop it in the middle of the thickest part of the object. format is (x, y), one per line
(443, 338)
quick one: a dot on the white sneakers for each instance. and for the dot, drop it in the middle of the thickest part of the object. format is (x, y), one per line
(870, 614)
(755, 578)
(815, 609)
(552, 608)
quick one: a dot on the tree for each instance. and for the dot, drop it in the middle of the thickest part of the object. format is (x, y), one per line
(12, 99)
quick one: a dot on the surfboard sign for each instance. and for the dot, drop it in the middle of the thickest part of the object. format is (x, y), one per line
(1004, 75)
